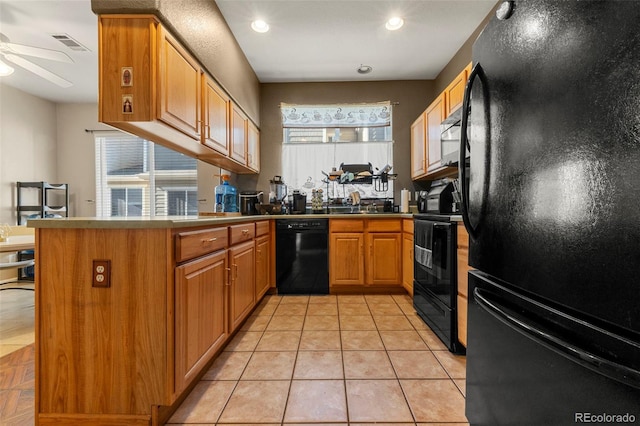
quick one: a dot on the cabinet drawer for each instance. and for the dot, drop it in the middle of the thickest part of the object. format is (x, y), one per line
(407, 225)
(242, 232)
(346, 225)
(262, 228)
(197, 243)
(384, 225)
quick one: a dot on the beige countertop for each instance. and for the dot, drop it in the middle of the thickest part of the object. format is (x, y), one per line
(188, 221)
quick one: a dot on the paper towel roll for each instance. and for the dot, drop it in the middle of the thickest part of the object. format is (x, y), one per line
(404, 201)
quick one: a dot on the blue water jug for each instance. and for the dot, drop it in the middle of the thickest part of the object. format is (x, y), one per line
(226, 197)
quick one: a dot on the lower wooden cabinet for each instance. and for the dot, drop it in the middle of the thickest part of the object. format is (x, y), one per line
(407, 255)
(242, 282)
(365, 252)
(346, 259)
(384, 258)
(200, 314)
(174, 298)
(263, 245)
(463, 282)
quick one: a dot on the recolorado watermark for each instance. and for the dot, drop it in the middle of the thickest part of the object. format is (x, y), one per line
(604, 418)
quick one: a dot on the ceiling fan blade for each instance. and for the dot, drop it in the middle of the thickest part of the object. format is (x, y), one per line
(38, 52)
(37, 69)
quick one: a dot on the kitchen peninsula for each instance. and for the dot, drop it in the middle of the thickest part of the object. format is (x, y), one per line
(131, 311)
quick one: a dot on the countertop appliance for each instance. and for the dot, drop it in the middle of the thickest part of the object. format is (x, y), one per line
(551, 207)
(302, 262)
(249, 202)
(439, 198)
(298, 203)
(278, 194)
(435, 287)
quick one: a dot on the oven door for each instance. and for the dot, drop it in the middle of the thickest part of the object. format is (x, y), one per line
(434, 262)
(434, 286)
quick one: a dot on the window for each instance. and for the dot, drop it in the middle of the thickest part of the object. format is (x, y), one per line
(135, 177)
(317, 138)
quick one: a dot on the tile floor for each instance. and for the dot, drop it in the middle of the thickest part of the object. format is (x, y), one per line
(353, 359)
(297, 359)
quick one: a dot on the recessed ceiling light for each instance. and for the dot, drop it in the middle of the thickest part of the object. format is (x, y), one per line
(394, 23)
(5, 69)
(364, 69)
(260, 26)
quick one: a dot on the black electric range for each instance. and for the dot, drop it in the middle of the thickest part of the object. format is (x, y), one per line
(435, 285)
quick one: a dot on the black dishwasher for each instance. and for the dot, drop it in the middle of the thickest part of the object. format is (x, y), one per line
(302, 264)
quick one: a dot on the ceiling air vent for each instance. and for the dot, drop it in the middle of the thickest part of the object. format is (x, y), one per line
(69, 42)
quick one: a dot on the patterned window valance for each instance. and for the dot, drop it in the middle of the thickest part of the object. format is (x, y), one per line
(345, 115)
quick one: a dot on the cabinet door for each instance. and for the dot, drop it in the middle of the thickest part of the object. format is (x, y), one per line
(262, 265)
(200, 314)
(215, 133)
(238, 135)
(253, 147)
(455, 91)
(407, 262)
(463, 282)
(179, 95)
(243, 285)
(418, 147)
(434, 116)
(383, 260)
(346, 259)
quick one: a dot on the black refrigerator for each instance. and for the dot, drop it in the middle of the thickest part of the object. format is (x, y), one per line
(552, 207)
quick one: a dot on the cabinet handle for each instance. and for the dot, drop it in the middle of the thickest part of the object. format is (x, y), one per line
(245, 231)
(235, 266)
(229, 276)
(210, 240)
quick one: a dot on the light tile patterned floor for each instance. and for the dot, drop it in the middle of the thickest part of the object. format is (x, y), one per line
(357, 359)
(297, 360)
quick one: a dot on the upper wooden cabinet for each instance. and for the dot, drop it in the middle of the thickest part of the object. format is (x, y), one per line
(426, 154)
(426, 148)
(418, 147)
(216, 116)
(179, 93)
(253, 147)
(454, 92)
(238, 144)
(152, 87)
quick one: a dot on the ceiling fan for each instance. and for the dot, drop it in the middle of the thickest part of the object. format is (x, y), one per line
(13, 52)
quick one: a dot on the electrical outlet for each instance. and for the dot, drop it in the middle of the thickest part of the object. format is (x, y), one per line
(102, 273)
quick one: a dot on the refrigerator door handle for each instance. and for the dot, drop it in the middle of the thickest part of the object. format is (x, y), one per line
(544, 336)
(464, 145)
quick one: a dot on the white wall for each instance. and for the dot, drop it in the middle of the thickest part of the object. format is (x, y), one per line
(76, 155)
(27, 145)
(44, 141)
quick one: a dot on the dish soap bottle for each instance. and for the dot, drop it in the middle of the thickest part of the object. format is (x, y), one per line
(226, 197)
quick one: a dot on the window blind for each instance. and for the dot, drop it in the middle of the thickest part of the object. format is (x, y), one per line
(135, 177)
